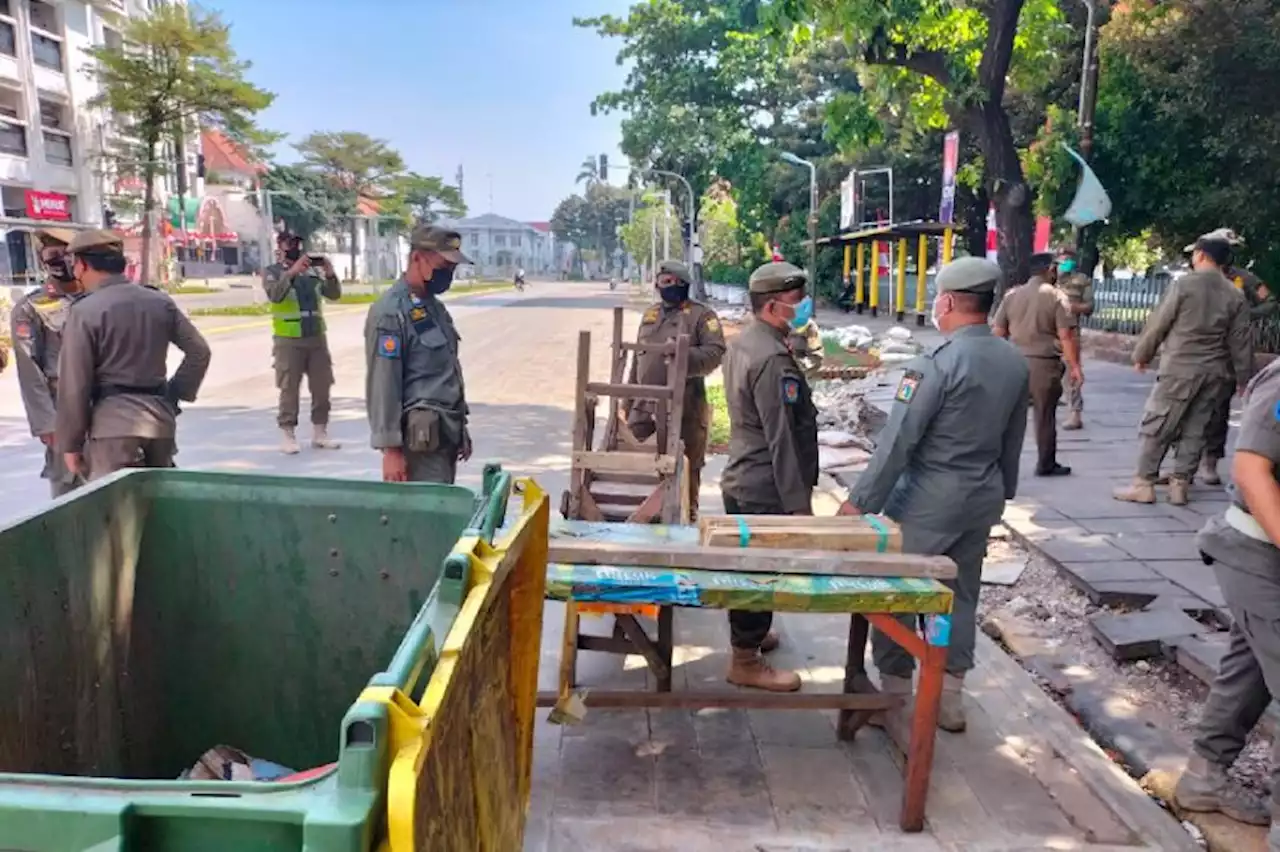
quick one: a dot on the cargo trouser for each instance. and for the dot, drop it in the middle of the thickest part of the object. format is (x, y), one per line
(1179, 411)
(968, 550)
(1249, 674)
(107, 455)
(431, 449)
(295, 357)
(1215, 439)
(61, 480)
(1046, 390)
(747, 629)
(696, 432)
(1074, 391)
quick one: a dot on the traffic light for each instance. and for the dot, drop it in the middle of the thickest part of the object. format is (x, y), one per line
(200, 169)
(604, 168)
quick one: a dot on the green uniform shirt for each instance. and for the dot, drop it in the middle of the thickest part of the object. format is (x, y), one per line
(1200, 326)
(36, 329)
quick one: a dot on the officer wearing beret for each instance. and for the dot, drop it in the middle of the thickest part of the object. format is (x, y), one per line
(947, 461)
(661, 323)
(414, 393)
(1201, 328)
(773, 443)
(297, 289)
(36, 330)
(1242, 545)
(116, 409)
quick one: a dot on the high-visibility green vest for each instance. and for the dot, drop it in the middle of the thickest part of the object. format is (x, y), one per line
(298, 317)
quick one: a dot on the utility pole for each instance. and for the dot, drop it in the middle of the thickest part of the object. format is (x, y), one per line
(666, 224)
(1088, 104)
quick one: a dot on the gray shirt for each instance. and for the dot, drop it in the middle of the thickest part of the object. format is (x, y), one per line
(36, 325)
(1201, 327)
(411, 350)
(1260, 422)
(948, 458)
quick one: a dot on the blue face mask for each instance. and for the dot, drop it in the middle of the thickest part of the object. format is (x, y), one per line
(804, 312)
(1066, 267)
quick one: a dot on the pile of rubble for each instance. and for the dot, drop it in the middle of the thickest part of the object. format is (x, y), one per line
(894, 346)
(848, 424)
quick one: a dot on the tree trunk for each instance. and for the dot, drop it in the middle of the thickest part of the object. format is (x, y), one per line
(148, 209)
(1008, 190)
(180, 154)
(355, 223)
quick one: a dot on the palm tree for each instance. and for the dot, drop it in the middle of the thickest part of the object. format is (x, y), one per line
(589, 172)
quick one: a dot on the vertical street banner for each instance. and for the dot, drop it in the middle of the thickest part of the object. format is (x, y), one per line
(848, 202)
(950, 163)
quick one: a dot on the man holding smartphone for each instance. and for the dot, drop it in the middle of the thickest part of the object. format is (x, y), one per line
(297, 284)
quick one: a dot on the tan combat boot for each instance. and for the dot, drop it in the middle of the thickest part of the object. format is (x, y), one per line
(1074, 421)
(1208, 473)
(320, 438)
(899, 687)
(951, 709)
(771, 642)
(1205, 788)
(1140, 491)
(1179, 491)
(750, 669)
(288, 441)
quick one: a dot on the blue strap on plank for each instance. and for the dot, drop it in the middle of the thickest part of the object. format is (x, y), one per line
(878, 525)
(744, 532)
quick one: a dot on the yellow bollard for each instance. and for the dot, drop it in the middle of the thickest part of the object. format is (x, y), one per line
(848, 259)
(874, 301)
(901, 296)
(859, 294)
(946, 246)
(922, 278)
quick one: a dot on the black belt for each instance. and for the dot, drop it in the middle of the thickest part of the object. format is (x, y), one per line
(102, 392)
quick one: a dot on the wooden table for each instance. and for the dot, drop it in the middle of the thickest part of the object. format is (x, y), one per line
(868, 600)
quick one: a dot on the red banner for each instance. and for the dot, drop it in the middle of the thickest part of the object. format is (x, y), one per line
(48, 205)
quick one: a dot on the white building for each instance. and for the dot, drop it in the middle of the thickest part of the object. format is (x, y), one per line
(50, 174)
(499, 245)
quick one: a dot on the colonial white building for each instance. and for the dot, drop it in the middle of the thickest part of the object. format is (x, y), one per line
(499, 245)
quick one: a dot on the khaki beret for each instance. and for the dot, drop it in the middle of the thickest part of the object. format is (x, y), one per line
(777, 277)
(99, 242)
(678, 269)
(970, 274)
(55, 236)
(1219, 235)
(442, 241)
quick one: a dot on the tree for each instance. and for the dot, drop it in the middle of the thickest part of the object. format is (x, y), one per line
(591, 222)
(655, 225)
(306, 201)
(589, 172)
(360, 164)
(429, 198)
(175, 67)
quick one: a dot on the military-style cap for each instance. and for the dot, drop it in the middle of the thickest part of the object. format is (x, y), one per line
(98, 242)
(55, 236)
(1220, 235)
(678, 269)
(969, 274)
(442, 241)
(777, 277)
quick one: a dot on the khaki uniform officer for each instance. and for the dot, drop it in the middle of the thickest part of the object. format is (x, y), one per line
(299, 347)
(1079, 290)
(947, 461)
(36, 329)
(1201, 327)
(414, 393)
(773, 443)
(1037, 317)
(806, 346)
(115, 407)
(660, 324)
(1242, 546)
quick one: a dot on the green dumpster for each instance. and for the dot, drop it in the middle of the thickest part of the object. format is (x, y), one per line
(158, 613)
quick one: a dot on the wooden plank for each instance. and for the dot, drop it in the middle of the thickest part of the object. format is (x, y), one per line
(849, 533)
(751, 561)
(646, 463)
(621, 492)
(625, 391)
(725, 700)
(643, 645)
(650, 480)
(652, 506)
(603, 644)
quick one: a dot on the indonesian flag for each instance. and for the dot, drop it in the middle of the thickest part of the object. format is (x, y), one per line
(993, 235)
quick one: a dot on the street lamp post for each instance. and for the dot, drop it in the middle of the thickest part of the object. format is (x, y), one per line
(787, 156)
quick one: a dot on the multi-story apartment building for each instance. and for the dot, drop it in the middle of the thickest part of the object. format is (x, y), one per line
(50, 142)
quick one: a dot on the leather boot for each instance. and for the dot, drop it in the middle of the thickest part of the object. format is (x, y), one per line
(1208, 473)
(320, 438)
(1205, 788)
(750, 669)
(288, 441)
(771, 642)
(1074, 421)
(1179, 491)
(951, 708)
(1140, 491)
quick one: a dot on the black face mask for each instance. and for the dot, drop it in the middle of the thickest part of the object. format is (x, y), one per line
(292, 255)
(674, 294)
(440, 281)
(60, 270)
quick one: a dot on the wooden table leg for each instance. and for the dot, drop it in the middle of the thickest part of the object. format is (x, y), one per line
(855, 678)
(924, 732)
(569, 649)
(666, 644)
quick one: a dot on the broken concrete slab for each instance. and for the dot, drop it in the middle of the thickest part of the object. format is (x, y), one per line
(1194, 576)
(1003, 572)
(1200, 655)
(1134, 594)
(1081, 548)
(1191, 605)
(1168, 546)
(1137, 635)
(1084, 575)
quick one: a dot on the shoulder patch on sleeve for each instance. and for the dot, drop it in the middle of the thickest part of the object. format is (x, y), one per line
(1276, 413)
(790, 390)
(908, 386)
(388, 346)
(22, 330)
(712, 324)
(650, 315)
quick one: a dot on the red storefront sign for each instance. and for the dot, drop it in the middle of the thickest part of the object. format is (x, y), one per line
(48, 205)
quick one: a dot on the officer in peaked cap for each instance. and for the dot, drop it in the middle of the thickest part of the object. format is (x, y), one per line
(674, 314)
(116, 407)
(414, 393)
(947, 461)
(773, 443)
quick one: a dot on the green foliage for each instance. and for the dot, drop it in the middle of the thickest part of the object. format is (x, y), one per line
(354, 161)
(305, 200)
(1051, 171)
(643, 236)
(1138, 253)
(591, 221)
(428, 199)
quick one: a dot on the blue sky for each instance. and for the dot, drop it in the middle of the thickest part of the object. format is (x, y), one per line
(502, 87)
